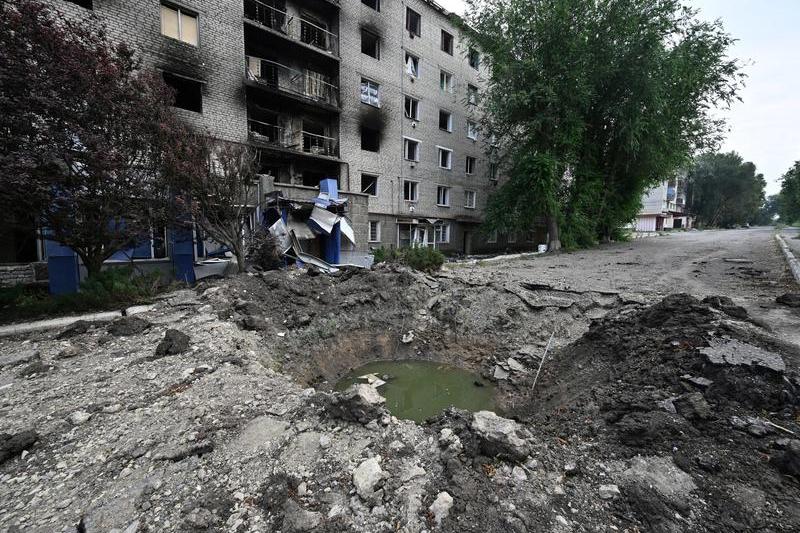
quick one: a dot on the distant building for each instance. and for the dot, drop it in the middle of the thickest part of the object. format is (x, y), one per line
(664, 206)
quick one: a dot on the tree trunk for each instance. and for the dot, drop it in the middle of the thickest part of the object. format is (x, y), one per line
(553, 239)
(238, 251)
(93, 264)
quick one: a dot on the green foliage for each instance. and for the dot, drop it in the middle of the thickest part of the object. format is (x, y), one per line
(789, 197)
(112, 288)
(769, 211)
(418, 258)
(725, 191)
(593, 102)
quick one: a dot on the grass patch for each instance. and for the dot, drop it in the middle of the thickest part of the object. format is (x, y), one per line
(114, 288)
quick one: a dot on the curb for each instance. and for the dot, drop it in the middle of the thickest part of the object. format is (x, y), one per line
(794, 264)
(54, 323)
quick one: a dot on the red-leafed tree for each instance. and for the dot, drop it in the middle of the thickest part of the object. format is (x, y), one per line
(83, 132)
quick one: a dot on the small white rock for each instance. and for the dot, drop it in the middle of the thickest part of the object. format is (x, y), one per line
(441, 506)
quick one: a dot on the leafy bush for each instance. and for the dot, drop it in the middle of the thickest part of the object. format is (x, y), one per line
(263, 250)
(419, 258)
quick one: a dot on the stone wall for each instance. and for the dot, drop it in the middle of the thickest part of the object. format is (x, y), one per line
(22, 274)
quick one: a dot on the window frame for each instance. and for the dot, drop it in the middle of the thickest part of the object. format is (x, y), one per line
(469, 170)
(443, 196)
(377, 226)
(362, 127)
(377, 5)
(413, 186)
(406, 142)
(368, 101)
(180, 12)
(441, 233)
(375, 183)
(166, 74)
(415, 104)
(472, 127)
(472, 91)
(410, 31)
(377, 44)
(449, 87)
(449, 151)
(449, 128)
(452, 41)
(470, 193)
(415, 61)
(474, 53)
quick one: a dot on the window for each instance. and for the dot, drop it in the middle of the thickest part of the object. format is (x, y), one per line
(469, 199)
(411, 149)
(445, 81)
(512, 237)
(369, 184)
(470, 165)
(441, 233)
(374, 4)
(492, 237)
(370, 44)
(472, 130)
(474, 59)
(472, 95)
(178, 24)
(443, 196)
(445, 120)
(413, 22)
(410, 191)
(374, 231)
(493, 171)
(83, 3)
(188, 93)
(447, 42)
(445, 158)
(370, 139)
(412, 108)
(412, 65)
(370, 92)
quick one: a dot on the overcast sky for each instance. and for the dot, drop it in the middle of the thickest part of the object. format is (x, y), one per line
(765, 128)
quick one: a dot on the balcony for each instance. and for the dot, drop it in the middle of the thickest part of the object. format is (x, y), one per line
(300, 30)
(306, 84)
(265, 133)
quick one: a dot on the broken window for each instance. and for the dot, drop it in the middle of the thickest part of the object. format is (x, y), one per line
(413, 22)
(410, 191)
(370, 92)
(411, 149)
(447, 42)
(313, 32)
(412, 65)
(312, 178)
(445, 81)
(470, 165)
(443, 196)
(83, 3)
(472, 95)
(474, 59)
(369, 184)
(374, 4)
(469, 199)
(445, 120)
(412, 108)
(374, 231)
(370, 139)
(188, 93)
(370, 44)
(472, 130)
(445, 158)
(441, 233)
(179, 24)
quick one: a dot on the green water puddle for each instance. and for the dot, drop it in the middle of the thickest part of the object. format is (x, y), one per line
(417, 390)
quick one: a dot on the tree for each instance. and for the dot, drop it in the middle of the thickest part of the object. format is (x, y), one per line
(217, 190)
(594, 102)
(83, 132)
(789, 197)
(769, 211)
(724, 190)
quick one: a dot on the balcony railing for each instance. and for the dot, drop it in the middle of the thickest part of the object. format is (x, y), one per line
(301, 30)
(302, 141)
(307, 83)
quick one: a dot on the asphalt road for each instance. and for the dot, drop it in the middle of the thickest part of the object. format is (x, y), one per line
(746, 265)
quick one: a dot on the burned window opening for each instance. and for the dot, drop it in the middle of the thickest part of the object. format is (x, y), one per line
(370, 44)
(188, 93)
(370, 139)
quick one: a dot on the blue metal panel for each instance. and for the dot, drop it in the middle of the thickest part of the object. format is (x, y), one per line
(62, 268)
(183, 254)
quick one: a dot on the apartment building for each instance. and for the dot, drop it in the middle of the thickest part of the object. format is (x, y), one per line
(664, 206)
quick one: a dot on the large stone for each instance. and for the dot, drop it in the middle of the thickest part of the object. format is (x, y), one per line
(737, 353)
(500, 437)
(11, 445)
(128, 325)
(662, 475)
(359, 403)
(693, 406)
(789, 461)
(173, 343)
(76, 328)
(440, 508)
(295, 518)
(367, 477)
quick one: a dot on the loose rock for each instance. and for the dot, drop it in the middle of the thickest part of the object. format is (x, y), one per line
(440, 508)
(500, 437)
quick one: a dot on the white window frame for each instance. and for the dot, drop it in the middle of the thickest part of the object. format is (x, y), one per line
(449, 85)
(472, 130)
(467, 170)
(414, 189)
(366, 97)
(441, 233)
(377, 225)
(470, 197)
(492, 237)
(441, 149)
(406, 140)
(362, 183)
(405, 106)
(449, 120)
(180, 12)
(414, 68)
(442, 196)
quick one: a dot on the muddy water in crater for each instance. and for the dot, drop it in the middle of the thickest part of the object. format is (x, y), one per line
(417, 390)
